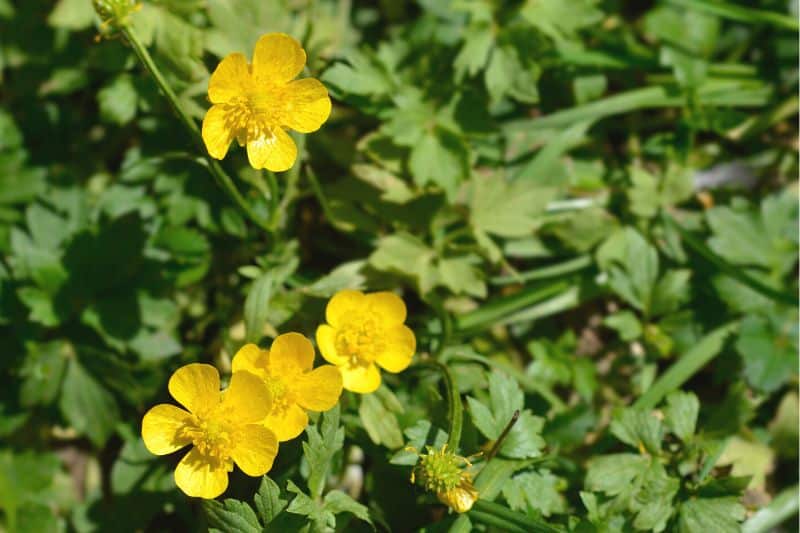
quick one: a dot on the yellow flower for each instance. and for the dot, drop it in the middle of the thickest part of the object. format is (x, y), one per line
(442, 472)
(362, 330)
(223, 427)
(294, 386)
(255, 104)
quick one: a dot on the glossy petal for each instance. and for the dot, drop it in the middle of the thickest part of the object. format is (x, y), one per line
(326, 342)
(278, 59)
(273, 150)
(196, 387)
(361, 379)
(197, 476)
(308, 105)
(319, 390)
(230, 79)
(389, 306)
(251, 358)
(290, 353)
(287, 424)
(161, 428)
(400, 347)
(256, 450)
(247, 399)
(217, 132)
(343, 303)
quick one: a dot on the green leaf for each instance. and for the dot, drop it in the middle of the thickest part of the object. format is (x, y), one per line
(767, 346)
(405, 254)
(380, 421)
(118, 100)
(473, 55)
(268, 500)
(440, 158)
(87, 405)
(671, 291)
(680, 414)
(507, 209)
(256, 306)
(230, 515)
(536, 490)
(632, 265)
(338, 502)
(625, 324)
(615, 474)
(72, 14)
(637, 428)
(506, 397)
(42, 372)
(462, 276)
(325, 439)
(322, 519)
(720, 515)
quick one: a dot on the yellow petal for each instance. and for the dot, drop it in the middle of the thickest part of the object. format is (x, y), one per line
(196, 387)
(200, 477)
(161, 427)
(277, 59)
(308, 105)
(290, 353)
(343, 303)
(247, 399)
(230, 79)
(400, 345)
(459, 498)
(250, 358)
(288, 423)
(361, 379)
(255, 450)
(319, 390)
(389, 306)
(217, 132)
(326, 342)
(273, 150)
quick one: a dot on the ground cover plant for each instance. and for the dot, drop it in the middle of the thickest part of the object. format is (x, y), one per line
(431, 265)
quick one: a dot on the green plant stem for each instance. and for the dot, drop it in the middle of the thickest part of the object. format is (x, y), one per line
(740, 13)
(455, 411)
(726, 268)
(567, 267)
(214, 167)
(784, 506)
(492, 513)
(502, 437)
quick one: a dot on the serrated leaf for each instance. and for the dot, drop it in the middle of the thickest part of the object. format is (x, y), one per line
(338, 502)
(638, 427)
(325, 439)
(702, 515)
(268, 500)
(380, 422)
(681, 414)
(231, 515)
(536, 490)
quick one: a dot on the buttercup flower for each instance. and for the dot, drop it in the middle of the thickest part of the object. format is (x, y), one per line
(223, 427)
(362, 330)
(294, 386)
(442, 472)
(256, 103)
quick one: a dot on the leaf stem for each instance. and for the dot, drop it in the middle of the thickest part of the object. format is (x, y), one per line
(223, 180)
(502, 437)
(455, 411)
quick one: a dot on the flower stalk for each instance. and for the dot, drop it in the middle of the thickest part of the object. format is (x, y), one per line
(221, 177)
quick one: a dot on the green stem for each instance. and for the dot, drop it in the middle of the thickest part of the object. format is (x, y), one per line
(323, 201)
(494, 514)
(455, 412)
(214, 167)
(567, 267)
(502, 437)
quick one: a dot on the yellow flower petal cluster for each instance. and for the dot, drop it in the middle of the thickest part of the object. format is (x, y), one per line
(365, 331)
(256, 103)
(286, 369)
(223, 428)
(442, 472)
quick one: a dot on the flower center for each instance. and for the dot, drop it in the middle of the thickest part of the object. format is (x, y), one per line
(282, 397)
(213, 436)
(360, 340)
